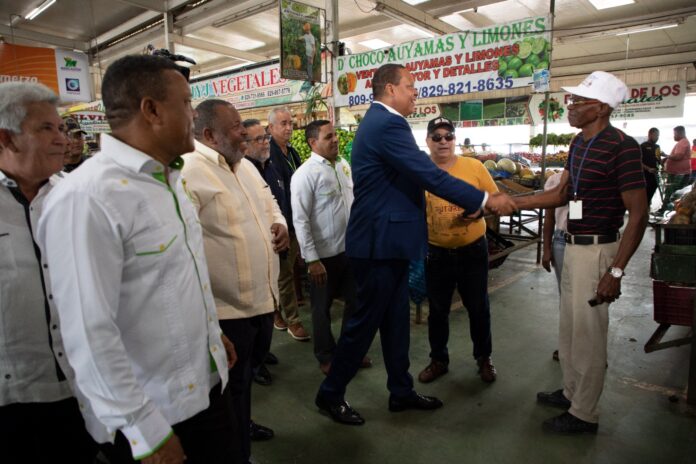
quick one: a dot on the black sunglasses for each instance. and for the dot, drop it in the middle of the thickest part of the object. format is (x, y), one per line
(438, 137)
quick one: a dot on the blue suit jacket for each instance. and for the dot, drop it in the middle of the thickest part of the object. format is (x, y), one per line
(387, 219)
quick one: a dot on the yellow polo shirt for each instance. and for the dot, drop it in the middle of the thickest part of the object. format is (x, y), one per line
(447, 227)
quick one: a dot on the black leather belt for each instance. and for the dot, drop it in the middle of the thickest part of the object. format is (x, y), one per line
(591, 239)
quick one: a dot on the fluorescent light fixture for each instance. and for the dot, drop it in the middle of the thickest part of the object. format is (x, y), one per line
(618, 31)
(648, 29)
(404, 18)
(414, 2)
(604, 4)
(40, 9)
(375, 44)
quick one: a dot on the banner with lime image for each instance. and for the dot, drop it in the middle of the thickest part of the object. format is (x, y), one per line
(492, 58)
(532, 55)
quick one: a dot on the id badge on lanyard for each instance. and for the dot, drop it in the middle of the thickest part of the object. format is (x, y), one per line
(575, 205)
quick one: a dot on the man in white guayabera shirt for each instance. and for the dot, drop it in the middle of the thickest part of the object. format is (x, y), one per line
(40, 418)
(130, 280)
(322, 194)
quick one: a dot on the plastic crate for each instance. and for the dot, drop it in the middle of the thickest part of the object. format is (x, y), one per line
(669, 267)
(679, 234)
(497, 244)
(674, 304)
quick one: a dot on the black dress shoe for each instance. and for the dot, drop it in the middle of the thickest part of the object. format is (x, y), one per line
(569, 424)
(270, 359)
(259, 432)
(341, 412)
(262, 376)
(414, 401)
(555, 398)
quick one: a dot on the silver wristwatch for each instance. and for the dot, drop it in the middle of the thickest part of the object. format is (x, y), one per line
(616, 272)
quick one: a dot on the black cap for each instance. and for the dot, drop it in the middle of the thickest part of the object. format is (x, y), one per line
(72, 126)
(440, 122)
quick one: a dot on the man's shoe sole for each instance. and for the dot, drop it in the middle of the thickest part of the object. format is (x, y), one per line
(299, 339)
(549, 429)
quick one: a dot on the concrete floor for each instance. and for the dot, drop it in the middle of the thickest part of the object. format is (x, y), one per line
(501, 422)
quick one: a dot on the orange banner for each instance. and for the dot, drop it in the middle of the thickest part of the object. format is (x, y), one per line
(29, 64)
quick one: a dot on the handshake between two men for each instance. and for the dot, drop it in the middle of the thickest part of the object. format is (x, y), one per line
(500, 204)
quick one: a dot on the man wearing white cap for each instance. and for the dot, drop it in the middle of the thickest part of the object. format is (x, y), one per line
(603, 178)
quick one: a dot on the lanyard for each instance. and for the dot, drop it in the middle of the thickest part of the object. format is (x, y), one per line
(575, 179)
(290, 160)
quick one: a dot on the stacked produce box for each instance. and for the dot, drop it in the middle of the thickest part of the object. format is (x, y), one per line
(673, 265)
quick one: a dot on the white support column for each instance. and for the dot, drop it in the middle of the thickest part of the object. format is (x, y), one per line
(332, 26)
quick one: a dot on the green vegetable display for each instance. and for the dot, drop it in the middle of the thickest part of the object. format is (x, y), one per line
(345, 143)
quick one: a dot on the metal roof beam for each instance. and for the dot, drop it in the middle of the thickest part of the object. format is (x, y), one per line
(220, 11)
(216, 48)
(407, 14)
(42, 39)
(159, 6)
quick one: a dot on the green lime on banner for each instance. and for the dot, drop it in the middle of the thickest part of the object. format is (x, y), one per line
(511, 73)
(526, 70)
(502, 65)
(533, 60)
(525, 49)
(539, 45)
(514, 63)
(542, 65)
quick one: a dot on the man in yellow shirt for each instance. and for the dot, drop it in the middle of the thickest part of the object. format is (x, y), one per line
(457, 257)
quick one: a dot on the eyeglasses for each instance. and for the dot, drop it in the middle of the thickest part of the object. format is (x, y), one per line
(438, 137)
(260, 139)
(582, 102)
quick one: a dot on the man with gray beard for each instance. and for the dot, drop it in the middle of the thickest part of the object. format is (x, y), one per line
(243, 230)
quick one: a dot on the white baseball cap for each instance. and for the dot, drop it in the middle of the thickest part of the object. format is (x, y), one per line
(601, 86)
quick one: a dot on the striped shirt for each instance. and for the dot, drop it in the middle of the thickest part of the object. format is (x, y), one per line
(612, 166)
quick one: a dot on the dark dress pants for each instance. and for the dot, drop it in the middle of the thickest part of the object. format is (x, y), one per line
(650, 186)
(45, 432)
(252, 340)
(465, 268)
(382, 304)
(206, 437)
(339, 282)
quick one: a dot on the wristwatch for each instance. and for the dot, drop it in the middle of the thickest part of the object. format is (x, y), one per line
(616, 272)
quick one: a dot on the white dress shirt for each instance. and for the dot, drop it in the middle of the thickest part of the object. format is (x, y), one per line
(322, 195)
(236, 210)
(33, 366)
(130, 281)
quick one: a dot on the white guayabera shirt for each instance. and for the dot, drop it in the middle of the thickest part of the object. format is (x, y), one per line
(322, 195)
(130, 281)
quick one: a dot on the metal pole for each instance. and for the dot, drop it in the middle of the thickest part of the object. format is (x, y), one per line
(333, 40)
(546, 124)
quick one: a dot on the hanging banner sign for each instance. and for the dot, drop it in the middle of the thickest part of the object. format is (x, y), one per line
(63, 71)
(646, 101)
(300, 41)
(253, 88)
(492, 58)
(92, 122)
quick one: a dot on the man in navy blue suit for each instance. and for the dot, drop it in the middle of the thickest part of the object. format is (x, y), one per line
(386, 230)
